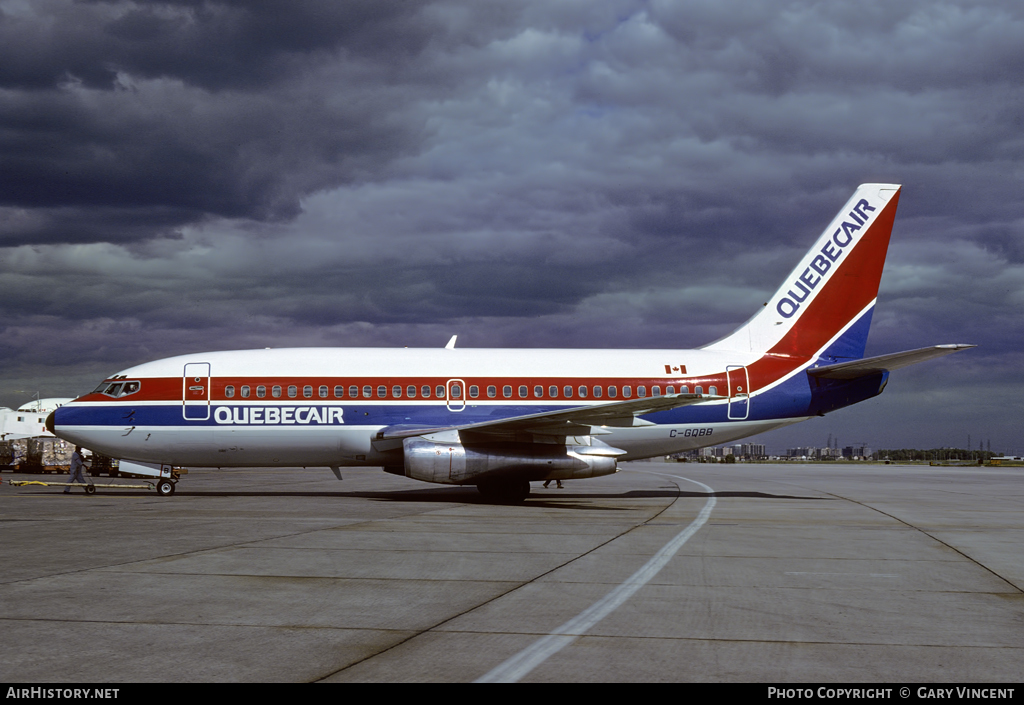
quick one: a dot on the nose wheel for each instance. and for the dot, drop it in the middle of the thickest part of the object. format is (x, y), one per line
(165, 488)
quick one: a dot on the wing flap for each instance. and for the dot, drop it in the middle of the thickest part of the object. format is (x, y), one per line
(884, 363)
(564, 422)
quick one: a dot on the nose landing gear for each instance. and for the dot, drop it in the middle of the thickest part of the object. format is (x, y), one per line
(165, 476)
(165, 488)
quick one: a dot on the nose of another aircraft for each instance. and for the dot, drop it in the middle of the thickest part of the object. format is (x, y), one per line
(49, 423)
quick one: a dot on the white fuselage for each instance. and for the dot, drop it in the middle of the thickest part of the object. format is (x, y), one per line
(322, 406)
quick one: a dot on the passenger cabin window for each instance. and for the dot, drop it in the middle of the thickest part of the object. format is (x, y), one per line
(670, 389)
(656, 391)
(245, 391)
(684, 389)
(506, 391)
(439, 391)
(538, 391)
(627, 392)
(275, 391)
(339, 392)
(353, 391)
(456, 391)
(382, 391)
(552, 391)
(323, 391)
(410, 391)
(712, 390)
(396, 392)
(641, 391)
(292, 390)
(492, 391)
(567, 390)
(597, 392)
(229, 391)
(613, 391)
(367, 392)
(583, 392)
(698, 389)
(523, 391)
(425, 391)
(261, 391)
(474, 391)
(307, 391)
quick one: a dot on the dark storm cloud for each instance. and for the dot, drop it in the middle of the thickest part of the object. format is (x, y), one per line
(215, 45)
(163, 114)
(1005, 241)
(176, 150)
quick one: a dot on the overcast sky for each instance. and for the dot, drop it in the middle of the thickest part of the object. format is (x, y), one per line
(187, 176)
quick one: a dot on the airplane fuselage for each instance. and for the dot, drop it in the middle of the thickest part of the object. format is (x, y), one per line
(250, 408)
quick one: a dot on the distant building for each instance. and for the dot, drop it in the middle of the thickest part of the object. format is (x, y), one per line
(749, 451)
(808, 452)
(857, 452)
(753, 450)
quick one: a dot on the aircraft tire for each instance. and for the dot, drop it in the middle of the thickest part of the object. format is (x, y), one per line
(506, 492)
(165, 488)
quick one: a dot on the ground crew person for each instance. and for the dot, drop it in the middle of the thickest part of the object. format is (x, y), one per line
(76, 474)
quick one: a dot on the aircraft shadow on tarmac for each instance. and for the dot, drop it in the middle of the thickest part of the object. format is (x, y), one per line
(466, 495)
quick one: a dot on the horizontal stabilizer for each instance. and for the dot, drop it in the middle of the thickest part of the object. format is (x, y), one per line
(884, 363)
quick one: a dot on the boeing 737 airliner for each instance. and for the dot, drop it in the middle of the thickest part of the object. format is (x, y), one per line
(501, 418)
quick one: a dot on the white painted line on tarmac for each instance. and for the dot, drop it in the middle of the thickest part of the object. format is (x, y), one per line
(870, 575)
(515, 668)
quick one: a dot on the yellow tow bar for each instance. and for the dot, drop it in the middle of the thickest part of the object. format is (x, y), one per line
(89, 488)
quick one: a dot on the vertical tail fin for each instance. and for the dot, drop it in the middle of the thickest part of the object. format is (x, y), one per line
(830, 295)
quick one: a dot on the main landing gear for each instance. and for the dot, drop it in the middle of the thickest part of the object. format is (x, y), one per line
(504, 491)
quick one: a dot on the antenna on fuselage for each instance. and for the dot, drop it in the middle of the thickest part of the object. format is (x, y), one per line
(451, 343)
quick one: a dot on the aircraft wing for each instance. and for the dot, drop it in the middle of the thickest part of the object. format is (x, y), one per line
(564, 422)
(882, 363)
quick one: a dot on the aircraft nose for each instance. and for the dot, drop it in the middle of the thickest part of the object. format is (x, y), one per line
(49, 423)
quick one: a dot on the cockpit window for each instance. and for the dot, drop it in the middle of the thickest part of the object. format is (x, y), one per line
(117, 389)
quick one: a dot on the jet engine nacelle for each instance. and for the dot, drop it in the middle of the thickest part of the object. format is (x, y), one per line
(457, 464)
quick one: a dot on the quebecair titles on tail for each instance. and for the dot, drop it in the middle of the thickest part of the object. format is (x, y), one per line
(827, 300)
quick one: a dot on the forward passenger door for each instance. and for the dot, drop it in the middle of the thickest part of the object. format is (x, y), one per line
(195, 391)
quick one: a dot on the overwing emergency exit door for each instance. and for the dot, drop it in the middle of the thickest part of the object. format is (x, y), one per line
(195, 391)
(455, 391)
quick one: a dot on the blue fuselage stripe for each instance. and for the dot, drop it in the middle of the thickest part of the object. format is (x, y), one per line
(795, 397)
